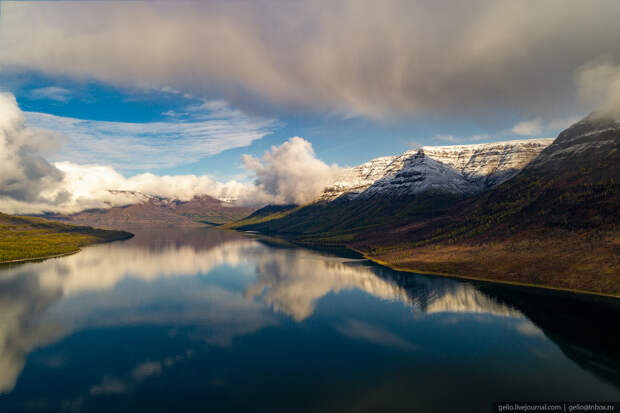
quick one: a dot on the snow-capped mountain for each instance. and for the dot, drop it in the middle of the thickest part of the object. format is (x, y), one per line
(451, 169)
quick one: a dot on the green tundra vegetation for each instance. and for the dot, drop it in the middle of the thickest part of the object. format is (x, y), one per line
(24, 238)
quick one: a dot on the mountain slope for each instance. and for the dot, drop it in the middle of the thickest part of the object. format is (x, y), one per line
(158, 211)
(555, 223)
(23, 238)
(412, 186)
(419, 174)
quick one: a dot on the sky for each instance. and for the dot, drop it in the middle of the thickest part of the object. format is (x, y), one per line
(267, 101)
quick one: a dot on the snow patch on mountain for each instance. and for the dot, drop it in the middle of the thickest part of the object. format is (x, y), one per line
(460, 169)
(420, 173)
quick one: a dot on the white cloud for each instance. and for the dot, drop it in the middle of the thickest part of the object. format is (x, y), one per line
(534, 128)
(89, 186)
(290, 173)
(201, 131)
(56, 93)
(528, 128)
(24, 173)
(538, 127)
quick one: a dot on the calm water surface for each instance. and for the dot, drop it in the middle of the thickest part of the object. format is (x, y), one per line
(214, 320)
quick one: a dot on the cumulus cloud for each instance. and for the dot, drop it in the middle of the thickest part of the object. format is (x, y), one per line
(24, 174)
(290, 173)
(90, 185)
(93, 186)
(359, 57)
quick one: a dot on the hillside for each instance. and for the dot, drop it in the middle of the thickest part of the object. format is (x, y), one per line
(412, 186)
(23, 238)
(553, 224)
(158, 211)
(556, 223)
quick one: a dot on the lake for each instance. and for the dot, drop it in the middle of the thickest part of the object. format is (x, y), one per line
(218, 320)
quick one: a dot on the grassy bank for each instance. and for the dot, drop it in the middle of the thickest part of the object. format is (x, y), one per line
(580, 262)
(24, 238)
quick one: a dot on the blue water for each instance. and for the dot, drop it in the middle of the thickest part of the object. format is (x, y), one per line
(218, 321)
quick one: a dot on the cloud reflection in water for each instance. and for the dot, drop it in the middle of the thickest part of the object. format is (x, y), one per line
(154, 280)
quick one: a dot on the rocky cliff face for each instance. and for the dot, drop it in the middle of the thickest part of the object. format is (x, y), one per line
(420, 173)
(449, 169)
(489, 164)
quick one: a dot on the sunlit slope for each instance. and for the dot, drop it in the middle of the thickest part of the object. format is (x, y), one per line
(263, 215)
(26, 238)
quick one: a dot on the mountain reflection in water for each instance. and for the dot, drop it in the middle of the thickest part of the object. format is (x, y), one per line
(225, 285)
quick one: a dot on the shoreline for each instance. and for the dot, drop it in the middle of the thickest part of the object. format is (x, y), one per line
(437, 274)
(481, 279)
(64, 254)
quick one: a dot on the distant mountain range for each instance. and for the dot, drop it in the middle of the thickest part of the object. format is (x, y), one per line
(541, 212)
(150, 210)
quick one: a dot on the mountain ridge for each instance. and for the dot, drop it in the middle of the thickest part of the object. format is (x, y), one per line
(457, 168)
(158, 210)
